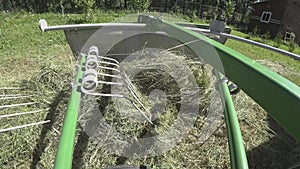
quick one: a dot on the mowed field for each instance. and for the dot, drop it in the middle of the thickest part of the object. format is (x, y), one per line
(43, 64)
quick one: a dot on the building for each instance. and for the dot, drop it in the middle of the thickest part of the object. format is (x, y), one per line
(277, 17)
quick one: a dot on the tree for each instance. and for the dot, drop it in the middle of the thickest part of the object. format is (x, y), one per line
(139, 4)
(86, 5)
(229, 8)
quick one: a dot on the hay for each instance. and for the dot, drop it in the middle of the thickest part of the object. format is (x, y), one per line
(159, 87)
(36, 146)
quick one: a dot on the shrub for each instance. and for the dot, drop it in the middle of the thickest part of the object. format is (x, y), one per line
(292, 45)
(255, 31)
(266, 37)
(278, 41)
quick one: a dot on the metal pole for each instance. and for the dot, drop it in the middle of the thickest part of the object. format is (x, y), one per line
(64, 154)
(274, 49)
(238, 156)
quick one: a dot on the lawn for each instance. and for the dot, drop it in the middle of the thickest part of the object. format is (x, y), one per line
(286, 66)
(43, 63)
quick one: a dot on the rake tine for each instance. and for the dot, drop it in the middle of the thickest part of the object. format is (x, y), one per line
(12, 88)
(103, 94)
(107, 58)
(90, 83)
(22, 113)
(110, 83)
(118, 54)
(109, 68)
(17, 105)
(15, 97)
(123, 75)
(137, 99)
(115, 83)
(109, 63)
(89, 91)
(141, 111)
(94, 73)
(10, 95)
(120, 96)
(124, 79)
(131, 89)
(133, 93)
(129, 84)
(109, 75)
(23, 126)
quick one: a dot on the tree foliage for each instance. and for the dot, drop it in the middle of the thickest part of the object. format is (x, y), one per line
(236, 10)
(86, 5)
(139, 4)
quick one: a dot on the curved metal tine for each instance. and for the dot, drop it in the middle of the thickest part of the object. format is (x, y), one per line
(132, 92)
(17, 105)
(110, 83)
(121, 96)
(126, 80)
(128, 85)
(117, 64)
(136, 98)
(130, 88)
(141, 112)
(118, 95)
(23, 126)
(109, 75)
(124, 75)
(109, 63)
(94, 51)
(10, 95)
(104, 94)
(15, 97)
(22, 113)
(107, 58)
(124, 85)
(123, 78)
(109, 68)
(12, 88)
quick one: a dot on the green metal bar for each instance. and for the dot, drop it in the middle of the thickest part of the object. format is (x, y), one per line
(200, 26)
(277, 95)
(238, 156)
(64, 153)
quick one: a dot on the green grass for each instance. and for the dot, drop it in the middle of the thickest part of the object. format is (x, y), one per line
(284, 65)
(43, 63)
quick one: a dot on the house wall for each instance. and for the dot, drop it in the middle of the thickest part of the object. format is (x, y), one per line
(276, 7)
(285, 13)
(291, 19)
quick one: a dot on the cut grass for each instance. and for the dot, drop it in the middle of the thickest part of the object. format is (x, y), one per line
(43, 63)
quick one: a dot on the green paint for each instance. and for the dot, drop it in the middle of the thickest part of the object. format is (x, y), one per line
(238, 156)
(64, 153)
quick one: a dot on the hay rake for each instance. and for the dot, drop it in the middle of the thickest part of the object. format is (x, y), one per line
(257, 81)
